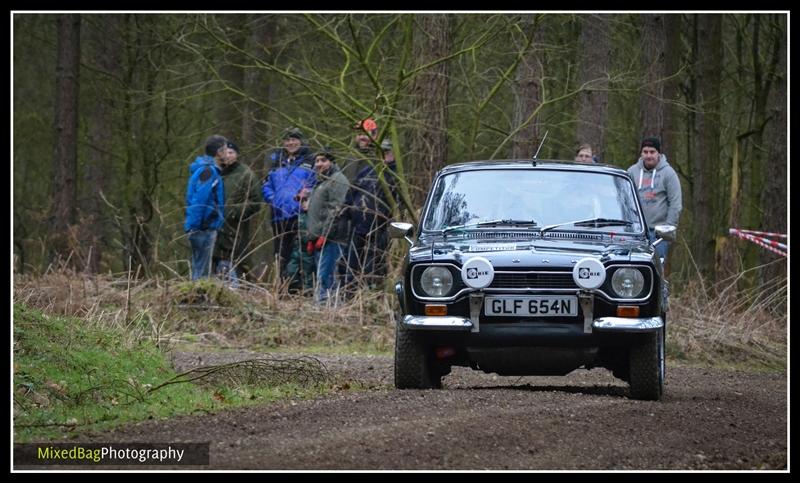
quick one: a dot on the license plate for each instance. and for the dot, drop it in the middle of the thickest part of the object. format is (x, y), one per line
(532, 306)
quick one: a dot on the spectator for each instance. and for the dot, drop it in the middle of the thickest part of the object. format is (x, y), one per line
(659, 189)
(242, 201)
(584, 154)
(365, 133)
(369, 213)
(301, 267)
(290, 170)
(205, 201)
(325, 225)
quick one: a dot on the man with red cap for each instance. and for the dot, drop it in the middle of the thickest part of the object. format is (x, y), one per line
(369, 212)
(365, 133)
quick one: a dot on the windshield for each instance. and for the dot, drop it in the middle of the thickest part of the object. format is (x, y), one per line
(467, 199)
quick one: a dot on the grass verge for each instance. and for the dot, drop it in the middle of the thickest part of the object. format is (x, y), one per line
(208, 315)
(71, 376)
(723, 326)
(727, 327)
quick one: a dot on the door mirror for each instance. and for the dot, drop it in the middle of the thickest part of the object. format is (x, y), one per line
(667, 232)
(399, 229)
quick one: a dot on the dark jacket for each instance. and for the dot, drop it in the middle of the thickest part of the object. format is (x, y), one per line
(285, 179)
(205, 196)
(368, 207)
(301, 267)
(353, 165)
(326, 204)
(242, 201)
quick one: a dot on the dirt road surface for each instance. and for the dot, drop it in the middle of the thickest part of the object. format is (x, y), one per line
(709, 419)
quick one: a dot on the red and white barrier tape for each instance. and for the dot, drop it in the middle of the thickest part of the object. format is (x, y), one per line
(760, 233)
(770, 245)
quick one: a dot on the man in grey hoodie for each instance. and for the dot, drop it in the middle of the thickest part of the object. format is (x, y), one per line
(659, 189)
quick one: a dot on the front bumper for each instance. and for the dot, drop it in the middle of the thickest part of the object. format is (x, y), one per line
(622, 324)
(602, 324)
(423, 322)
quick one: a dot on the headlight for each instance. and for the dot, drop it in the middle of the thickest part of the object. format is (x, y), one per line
(627, 282)
(436, 281)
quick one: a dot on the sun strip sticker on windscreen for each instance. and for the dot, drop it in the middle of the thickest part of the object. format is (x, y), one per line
(497, 247)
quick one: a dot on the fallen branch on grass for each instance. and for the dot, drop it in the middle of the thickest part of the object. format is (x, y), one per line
(304, 371)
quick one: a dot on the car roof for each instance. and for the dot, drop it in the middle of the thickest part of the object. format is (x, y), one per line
(543, 164)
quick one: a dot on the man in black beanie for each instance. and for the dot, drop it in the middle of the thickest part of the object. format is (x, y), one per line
(659, 189)
(652, 142)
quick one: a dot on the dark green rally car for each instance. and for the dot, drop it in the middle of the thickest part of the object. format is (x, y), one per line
(532, 268)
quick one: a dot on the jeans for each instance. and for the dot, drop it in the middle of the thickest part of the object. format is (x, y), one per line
(202, 242)
(326, 268)
(228, 273)
(663, 246)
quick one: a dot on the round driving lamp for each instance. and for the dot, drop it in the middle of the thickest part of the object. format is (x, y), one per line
(436, 281)
(627, 282)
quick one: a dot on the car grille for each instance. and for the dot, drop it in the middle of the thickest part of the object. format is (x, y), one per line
(580, 236)
(506, 234)
(533, 234)
(533, 280)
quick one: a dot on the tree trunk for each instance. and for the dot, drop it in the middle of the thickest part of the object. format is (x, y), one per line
(106, 58)
(706, 163)
(257, 85)
(774, 200)
(65, 159)
(727, 265)
(145, 142)
(728, 246)
(653, 59)
(595, 51)
(527, 95)
(432, 41)
(228, 109)
(673, 26)
(140, 68)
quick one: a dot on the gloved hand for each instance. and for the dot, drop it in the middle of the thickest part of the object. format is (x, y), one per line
(310, 247)
(320, 243)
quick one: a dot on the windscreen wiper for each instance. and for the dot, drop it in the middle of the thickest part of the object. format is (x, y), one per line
(508, 222)
(595, 222)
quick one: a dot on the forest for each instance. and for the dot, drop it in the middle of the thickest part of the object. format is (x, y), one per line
(110, 109)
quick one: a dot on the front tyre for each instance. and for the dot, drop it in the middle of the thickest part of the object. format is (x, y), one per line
(647, 367)
(413, 364)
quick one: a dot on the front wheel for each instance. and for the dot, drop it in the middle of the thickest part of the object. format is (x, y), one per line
(413, 364)
(647, 367)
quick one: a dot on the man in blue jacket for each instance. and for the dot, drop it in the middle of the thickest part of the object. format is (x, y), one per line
(291, 169)
(205, 199)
